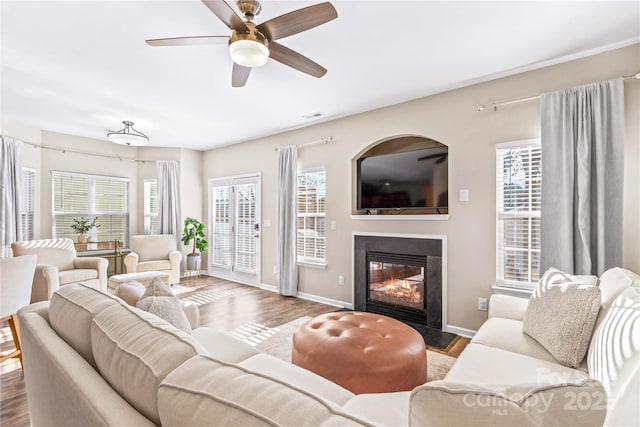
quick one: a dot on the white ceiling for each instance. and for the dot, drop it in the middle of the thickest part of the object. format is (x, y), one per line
(80, 67)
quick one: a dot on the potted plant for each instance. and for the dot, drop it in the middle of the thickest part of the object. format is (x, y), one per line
(194, 231)
(82, 226)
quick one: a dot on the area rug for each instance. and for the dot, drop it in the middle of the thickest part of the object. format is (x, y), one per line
(278, 344)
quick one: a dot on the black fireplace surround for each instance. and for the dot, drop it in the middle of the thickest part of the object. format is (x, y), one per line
(418, 255)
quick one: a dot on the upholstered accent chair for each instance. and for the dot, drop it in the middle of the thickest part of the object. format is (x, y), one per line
(154, 253)
(16, 278)
(59, 265)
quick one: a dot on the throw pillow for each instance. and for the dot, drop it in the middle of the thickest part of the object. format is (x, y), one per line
(130, 292)
(158, 299)
(562, 318)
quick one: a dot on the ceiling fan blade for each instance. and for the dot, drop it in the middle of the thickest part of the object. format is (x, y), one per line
(239, 75)
(226, 14)
(295, 60)
(297, 21)
(188, 41)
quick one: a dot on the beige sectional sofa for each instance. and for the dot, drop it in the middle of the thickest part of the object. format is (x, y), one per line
(91, 359)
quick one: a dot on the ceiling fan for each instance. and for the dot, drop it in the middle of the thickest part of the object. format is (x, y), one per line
(251, 44)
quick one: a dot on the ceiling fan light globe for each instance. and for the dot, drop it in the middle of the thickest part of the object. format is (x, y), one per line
(249, 53)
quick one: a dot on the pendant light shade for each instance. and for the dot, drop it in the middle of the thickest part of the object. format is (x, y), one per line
(128, 136)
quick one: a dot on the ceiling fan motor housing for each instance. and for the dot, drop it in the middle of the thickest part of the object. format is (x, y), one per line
(249, 8)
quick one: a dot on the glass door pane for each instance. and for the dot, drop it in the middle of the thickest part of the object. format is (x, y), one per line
(221, 254)
(245, 248)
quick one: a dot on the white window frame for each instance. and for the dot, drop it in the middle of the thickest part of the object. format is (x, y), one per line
(150, 218)
(501, 215)
(316, 262)
(91, 212)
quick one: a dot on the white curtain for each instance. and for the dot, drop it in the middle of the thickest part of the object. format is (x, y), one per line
(582, 148)
(11, 199)
(168, 198)
(287, 229)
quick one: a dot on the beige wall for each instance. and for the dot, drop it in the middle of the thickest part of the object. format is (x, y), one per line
(452, 119)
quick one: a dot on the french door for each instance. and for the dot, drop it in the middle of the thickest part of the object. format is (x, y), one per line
(234, 231)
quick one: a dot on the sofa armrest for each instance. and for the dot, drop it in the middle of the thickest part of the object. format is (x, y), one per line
(94, 263)
(45, 282)
(549, 402)
(507, 306)
(131, 262)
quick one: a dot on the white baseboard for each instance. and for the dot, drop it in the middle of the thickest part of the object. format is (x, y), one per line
(467, 333)
(311, 297)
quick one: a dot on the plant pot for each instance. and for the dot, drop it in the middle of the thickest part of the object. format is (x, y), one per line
(193, 262)
(82, 238)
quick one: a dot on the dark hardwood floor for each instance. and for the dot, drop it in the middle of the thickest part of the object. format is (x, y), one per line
(223, 305)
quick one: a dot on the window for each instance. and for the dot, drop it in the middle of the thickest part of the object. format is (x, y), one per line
(91, 196)
(150, 206)
(26, 216)
(518, 197)
(311, 208)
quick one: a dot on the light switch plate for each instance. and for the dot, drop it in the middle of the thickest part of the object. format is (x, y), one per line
(464, 195)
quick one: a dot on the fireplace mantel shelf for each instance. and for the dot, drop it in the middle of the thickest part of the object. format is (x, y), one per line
(400, 217)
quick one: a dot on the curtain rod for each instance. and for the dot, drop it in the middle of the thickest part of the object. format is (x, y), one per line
(306, 144)
(108, 156)
(495, 106)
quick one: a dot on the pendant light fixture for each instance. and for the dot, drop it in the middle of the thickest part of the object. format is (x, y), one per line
(128, 136)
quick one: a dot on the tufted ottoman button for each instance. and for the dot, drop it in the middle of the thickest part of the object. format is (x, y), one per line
(362, 352)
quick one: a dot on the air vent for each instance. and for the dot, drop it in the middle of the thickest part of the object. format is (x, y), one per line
(313, 116)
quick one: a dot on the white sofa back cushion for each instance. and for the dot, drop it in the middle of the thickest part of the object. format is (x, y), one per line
(153, 247)
(71, 312)
(614, 353)
(206, 391)
(134, 351)
(58, 252)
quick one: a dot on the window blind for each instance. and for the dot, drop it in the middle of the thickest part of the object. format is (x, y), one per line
(150, 206)
(221, 229)
(311, 216)
(518, 202)
(91, 196)
(245, 220)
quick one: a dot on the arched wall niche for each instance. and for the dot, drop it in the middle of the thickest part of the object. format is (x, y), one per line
(403, 144)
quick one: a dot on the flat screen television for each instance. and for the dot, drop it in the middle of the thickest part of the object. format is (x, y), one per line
(409, 180)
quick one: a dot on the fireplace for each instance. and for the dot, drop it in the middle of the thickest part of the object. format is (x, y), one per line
(400, 277)
(395, 285)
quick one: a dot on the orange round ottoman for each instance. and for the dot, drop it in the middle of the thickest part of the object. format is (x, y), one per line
(362, 352)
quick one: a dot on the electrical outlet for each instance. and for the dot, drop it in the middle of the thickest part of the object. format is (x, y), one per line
(341, 280)
(482, 304)
(275, 269)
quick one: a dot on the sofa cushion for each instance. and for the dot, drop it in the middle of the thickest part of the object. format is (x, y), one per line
(385, 409)
(58, 252)
(160, 300)
(614, 353)
(130, 292)
(204, 389)
(554, 277)
(612, 282)
(160, 265)
(74, 276)
(562, 318)
(445, 403)
(298, 377)
(482, 364)
(134, 351)
(223, 346)
(507, 334)
(507, 389)
(71, 310)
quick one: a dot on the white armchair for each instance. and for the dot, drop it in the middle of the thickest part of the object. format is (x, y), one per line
(58, 265)
(154, 253)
